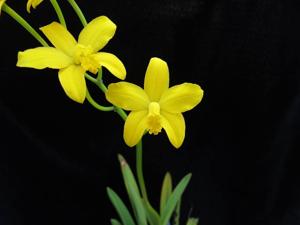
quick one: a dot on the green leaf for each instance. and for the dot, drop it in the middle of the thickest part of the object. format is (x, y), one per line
(192, 221)
(152, 215)
(115, 222)
(133, 192)
(166, 191)
(176, 217)
(120, 207)
(173, 200)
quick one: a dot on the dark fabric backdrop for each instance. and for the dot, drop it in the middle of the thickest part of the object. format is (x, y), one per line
(242, 142)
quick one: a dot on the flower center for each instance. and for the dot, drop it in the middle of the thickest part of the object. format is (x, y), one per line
(84, 56)
(154, 118)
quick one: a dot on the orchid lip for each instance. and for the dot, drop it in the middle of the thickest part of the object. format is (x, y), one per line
(154, 118)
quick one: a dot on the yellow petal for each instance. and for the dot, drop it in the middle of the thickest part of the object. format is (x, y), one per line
(97, 33)
(156, 79)
(33, 3)
(181, 98)
(1, 4)
(135, 126)
(112, 63)
(60, 37)
(127, 96)
(174, 125)
(73, 82)
(43, 57)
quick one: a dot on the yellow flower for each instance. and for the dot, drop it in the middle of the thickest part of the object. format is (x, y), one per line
(156, 106)
(74, 58)
(33, 4)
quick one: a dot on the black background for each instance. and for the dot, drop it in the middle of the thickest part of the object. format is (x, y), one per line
(242, 142)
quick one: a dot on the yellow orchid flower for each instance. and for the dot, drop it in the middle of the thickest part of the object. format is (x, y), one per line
(33, 4)
(156, 106)
(74, 58)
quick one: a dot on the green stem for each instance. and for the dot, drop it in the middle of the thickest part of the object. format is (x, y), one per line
(139, 146)
(78, 12)
(24, 23)
(90, 78)
(97, 81)
(103, 88)
(59, 13)
(139, 169)
(121, 113)
(100, 83)
(96, 105)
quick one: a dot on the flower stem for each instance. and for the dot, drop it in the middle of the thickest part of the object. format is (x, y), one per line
(100, 83)
(139, 147)
(97, 81)
(78, 12)
(59, 13)
(24, 24)
(139, 169)
(96, 105)
(90, 78)
(103, 88)
(121, 113)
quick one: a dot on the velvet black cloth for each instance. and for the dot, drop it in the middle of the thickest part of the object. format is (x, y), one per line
(242, 142)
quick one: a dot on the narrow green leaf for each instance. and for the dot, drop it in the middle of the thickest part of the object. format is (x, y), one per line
(192, 221)
(166, 191)
(152, 215)
(133, 192)
(177, 213)
(115, 222)
(120, 207)
(173, 200)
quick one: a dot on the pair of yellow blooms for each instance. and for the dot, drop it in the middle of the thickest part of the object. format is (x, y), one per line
(155, 107)
(30, 3)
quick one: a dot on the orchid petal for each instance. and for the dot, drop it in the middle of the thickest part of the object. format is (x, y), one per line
(43, 57)
(60, 37)
(156, 79)
(174, 125)
(1, 4)
(181, 98)
(73, 82)
(112, 63)
(127, 96)
(97, 33)
(33, 4)
(135, 126)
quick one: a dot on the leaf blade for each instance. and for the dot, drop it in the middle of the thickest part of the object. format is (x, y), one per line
(133, 192)
(173, 199)
(152, 216)
(166, 191)
(120, 207)
(115, 222)
(192, 221)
